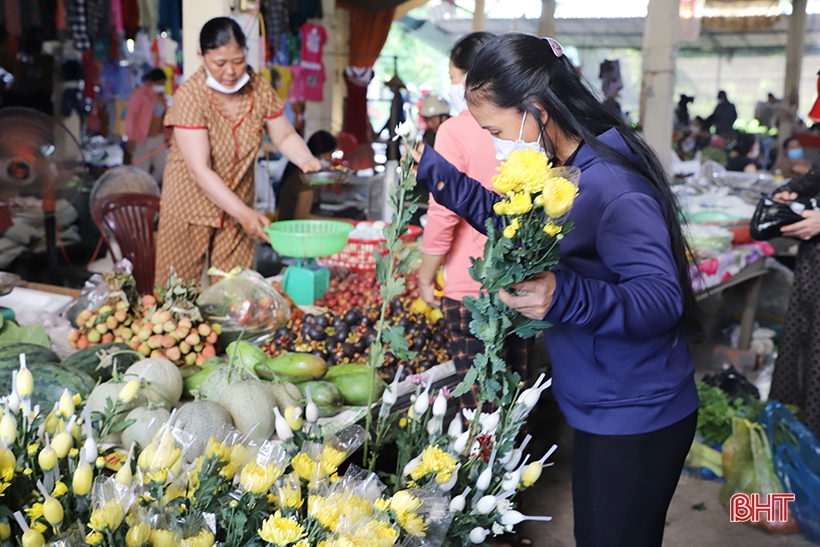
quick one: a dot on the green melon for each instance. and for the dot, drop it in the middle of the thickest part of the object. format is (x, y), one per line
(49, 382)
(88, 360)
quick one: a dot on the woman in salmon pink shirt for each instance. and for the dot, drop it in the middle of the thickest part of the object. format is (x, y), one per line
(449, 240)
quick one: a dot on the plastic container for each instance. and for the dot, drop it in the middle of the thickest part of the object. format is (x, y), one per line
(308, 238)
(357, 256)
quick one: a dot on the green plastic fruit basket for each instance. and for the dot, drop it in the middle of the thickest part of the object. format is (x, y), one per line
(308, 238)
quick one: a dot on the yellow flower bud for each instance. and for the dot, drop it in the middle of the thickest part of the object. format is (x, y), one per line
(8, 429)
(294, 418)
(107, 517)
(25, 382)
(509, 232)
(129, 392)
(73, 453)
(53, 511)
(28, 471)
(94, 538)
(138, 535)
(33, 538)
(59, 489)
(47, 458)
(531, 474)
(7, 460)
(163, 538)
(83, 475)
(160, 477)
(124, 475)
(62, 443)
(5, 531)
(552, 229)
(99, 463)
(67, 406)
(77, 398)
(50, 425)
(32, 449)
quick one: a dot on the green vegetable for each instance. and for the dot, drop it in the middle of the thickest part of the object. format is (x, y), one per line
(12, 333)
(88, 360)
(245, 354)
(717, 410)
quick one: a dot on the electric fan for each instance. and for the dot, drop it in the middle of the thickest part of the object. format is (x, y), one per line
(40, 162)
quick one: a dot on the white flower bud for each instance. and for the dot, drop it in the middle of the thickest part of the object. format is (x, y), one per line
(478, 535)
(440, 405)
(311, 410)
(450, 484)
(460, 444)
(456, 428)
(283, 430)
(489, 422)
(421, 405)
(457, 504)
(486, 505)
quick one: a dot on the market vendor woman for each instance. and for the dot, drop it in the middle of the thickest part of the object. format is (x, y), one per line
(218, 116)
(620, 299)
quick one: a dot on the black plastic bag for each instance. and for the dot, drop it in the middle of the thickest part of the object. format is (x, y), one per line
(735, 384)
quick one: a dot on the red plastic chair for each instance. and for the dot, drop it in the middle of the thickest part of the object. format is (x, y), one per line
(129, 218)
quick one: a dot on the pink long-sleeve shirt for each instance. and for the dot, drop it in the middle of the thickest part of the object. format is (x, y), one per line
(462, 142)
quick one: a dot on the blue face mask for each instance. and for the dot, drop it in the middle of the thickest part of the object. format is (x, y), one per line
(796, 154)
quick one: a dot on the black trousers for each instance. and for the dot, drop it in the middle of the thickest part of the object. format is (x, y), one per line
(622, 484)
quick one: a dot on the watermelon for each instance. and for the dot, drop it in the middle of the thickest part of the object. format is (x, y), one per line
(49, 382)
(87, 360)
(10, 353)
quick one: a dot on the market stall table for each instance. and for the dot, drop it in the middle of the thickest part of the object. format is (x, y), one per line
(742, 265)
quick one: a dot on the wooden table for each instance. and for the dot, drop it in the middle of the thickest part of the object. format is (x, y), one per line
(752, 278)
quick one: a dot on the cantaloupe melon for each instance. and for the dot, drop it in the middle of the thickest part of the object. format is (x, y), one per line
(161, 374)
(202, 420)
(147, 423)
(250, 404)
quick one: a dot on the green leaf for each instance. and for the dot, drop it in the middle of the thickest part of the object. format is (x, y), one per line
(394, 336)
(376, 355)
(13, 333)
(467, 383)
(121, 425)
(392, 289)
(382, 266)
(408, 258)
(525, 327)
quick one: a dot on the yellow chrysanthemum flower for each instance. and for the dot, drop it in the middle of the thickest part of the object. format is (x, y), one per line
(434, 460)
(552, 229)
(558, 196)
(257, 479)
(331, 459)
(39, 526)
(305, 467)
(325, 509)
(107, 517)
(3, 487)
(217, 449)
(35, 511)
(378, 533)
(203, 539)
(32, 449)
(404, 505)
(520, 204)
(289, 494)
(524, 171)
(501, 208)
(164, 538)
(509, 232)
(382, 504)
(412, 523)
(138, 535)
(281, 531)
(59, 489)
(94, 538)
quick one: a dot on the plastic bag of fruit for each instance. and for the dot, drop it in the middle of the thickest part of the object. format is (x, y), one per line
(244, 304)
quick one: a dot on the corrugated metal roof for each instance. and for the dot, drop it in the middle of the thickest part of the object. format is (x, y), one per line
(628, 33)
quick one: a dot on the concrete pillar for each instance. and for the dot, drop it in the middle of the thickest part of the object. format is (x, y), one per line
(329, 114)
(546, 23)
(479, 17)
(660, 37)
(794, 57)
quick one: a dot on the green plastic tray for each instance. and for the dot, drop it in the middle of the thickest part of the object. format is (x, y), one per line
(308, 238)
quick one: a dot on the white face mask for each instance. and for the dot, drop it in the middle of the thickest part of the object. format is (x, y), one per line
(503, 148)
(158, 89)
(457, 100)
(215, 85)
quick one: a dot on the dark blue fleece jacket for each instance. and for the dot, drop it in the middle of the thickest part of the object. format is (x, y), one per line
(619, 364)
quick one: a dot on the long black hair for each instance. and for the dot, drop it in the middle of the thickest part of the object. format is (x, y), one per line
(220, 31)
(521, 71)
(466, 48)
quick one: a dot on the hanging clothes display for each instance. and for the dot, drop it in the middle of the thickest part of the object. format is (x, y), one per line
(310, 79)
(116, 15)
(277, 25)
(170, 18)
(149, 13)
(48, 19)
(98, 14)
(60, 18)
(302, 10)
(314, 38)
(356, 120)
(130, 18)
(12, 15)
(814, 113)
(77, 19)
(285, 81)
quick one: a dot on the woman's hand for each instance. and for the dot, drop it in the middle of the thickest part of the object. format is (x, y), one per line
(805, 229)
(533, 298)
(785, 197)
(311, 165)
(253, 222)
(417, 152)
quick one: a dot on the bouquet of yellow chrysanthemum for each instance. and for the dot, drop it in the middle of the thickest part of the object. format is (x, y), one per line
(537, 198)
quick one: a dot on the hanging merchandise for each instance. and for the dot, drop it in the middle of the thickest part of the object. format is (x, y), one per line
(172, 74)
(314, 38)
(302, 10)
(98, 14)
(170, 18)
(102, 48)
(294, 45)
(142, 49)
(78, 24)
(356, 120)
(30, 14)
(130, 18)
(12, 14)
(285, 81)
(91, 75)
(308, 82)
(116, 15)
(277, 24)
(149, 14)
(60, 18)
(48, 19)
(814, 113)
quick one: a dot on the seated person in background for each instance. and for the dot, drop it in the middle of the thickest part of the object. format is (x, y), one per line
(790, 161)
(435, 111)
(742, 157)
(299, 200)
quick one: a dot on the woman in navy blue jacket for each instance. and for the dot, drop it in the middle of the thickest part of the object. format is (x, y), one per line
(620, 300)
